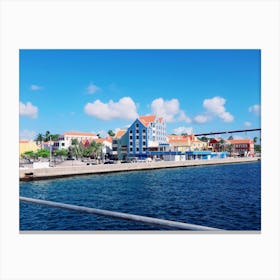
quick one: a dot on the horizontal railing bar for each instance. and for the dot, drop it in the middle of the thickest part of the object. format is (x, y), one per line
(130, 217)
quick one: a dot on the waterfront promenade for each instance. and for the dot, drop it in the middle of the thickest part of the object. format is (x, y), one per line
(79, 168)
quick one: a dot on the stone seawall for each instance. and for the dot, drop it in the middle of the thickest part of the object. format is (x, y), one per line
(57, 172)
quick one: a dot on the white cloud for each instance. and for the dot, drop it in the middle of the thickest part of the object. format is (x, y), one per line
(201, 119)
(247, 124)
(183, 117)
(91, 89)
(124, 109)
(183, 129)
(35, 87)
(215, 106)
(27, 134)
(28, 110)
(169, 110)
(256, 109)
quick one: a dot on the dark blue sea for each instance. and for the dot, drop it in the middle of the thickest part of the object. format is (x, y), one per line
(221, 196)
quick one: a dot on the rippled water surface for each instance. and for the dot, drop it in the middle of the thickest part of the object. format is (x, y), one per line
(221, 196)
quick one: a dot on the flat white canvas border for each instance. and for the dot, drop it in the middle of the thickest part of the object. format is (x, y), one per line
(139, 24)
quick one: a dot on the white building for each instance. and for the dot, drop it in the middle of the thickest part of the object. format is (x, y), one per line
(65, 139)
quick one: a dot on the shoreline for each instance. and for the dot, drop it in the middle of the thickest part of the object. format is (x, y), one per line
(68, 171)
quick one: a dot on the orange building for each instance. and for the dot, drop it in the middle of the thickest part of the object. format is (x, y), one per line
(244, 147)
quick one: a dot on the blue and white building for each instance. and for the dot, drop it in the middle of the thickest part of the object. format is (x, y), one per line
(147, 134)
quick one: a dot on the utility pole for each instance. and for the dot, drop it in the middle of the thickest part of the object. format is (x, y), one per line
(50, 150)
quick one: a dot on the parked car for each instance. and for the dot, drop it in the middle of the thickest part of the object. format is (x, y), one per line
(109, 162)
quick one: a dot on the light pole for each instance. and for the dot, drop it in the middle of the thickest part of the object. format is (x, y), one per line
(50, 150)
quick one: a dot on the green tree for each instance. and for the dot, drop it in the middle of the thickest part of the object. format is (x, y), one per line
(111, 133)
(76, 148)
(47, 136)
(61, 152)
(257, 148)
(229, 148)
(43, 153)
(203, 139)
(39, 139)
(55, 137)
(95, 149)
(230, 137)
(222, 145)
(29, 154)
(74, 142)
(255, 139)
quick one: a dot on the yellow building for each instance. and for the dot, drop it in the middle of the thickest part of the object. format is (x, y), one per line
(27, 145)
(197, 145)
(179, 143)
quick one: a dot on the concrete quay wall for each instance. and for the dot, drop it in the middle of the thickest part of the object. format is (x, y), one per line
(56, 172)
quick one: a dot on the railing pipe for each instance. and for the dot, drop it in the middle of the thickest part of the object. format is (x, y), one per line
(130, 217)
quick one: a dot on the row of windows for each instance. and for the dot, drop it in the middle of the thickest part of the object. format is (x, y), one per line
(137, 150)
(137, 131)
(56, 144)
(137, 143)
(137, 137)
(241, 146)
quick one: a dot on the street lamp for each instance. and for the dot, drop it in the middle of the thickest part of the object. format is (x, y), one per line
(50, 151)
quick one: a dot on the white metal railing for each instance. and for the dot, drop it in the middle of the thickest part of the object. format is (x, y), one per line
(130, 217)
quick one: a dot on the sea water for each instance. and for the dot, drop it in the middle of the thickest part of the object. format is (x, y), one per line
(221, 196)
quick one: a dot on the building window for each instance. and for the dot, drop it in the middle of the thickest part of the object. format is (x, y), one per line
(130, 149)
(130, 131)
(144, 143)
(137, 125)
(130, 137)
(137, 137)
(62, 144)
(137, 149)
(130, 143)
(137, 130)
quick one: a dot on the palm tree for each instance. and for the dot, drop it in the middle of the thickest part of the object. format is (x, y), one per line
(55, 137)
(39, 139)
(230, 149)
(222, 145)
(47, 136)
(111, 133)
(255, 139)
(75, 148)
(95, 149)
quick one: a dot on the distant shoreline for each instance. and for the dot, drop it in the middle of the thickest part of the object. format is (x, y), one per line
(75, 170)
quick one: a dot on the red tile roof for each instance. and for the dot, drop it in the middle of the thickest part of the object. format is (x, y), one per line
(177, 137)
(109, 139)
(23, 141)
(241, 141)
(120, 133)
(79, 133)
(146, 120)
(101, 140)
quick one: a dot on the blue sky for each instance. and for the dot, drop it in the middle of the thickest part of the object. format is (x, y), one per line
(98, 90)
